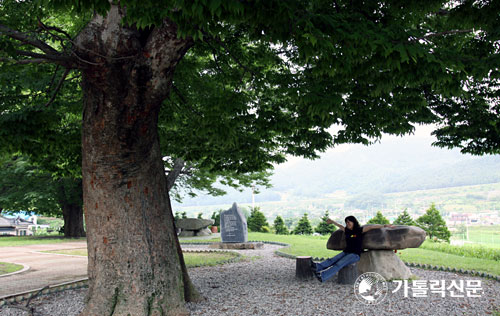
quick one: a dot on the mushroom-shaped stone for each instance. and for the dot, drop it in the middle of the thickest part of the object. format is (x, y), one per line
(386, 238)
(193, 223)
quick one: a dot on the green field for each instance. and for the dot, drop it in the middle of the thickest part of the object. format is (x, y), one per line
(70, 252)
(15, 241)
(196, 259)
(192, 259)
(488, 236)
(9, 267)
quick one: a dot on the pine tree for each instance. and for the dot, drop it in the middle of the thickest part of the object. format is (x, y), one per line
(200, 215)
(324, 228)
(404, 219)
(303, 227)
(279, 226)
(434, 225)
(257, 220)
(379, 219)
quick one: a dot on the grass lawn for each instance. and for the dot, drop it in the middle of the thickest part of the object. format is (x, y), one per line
(432, 257)
(485, 235)
(72, 252)
(9, 267)
(192, 259)
(30, 240)
(196, 259)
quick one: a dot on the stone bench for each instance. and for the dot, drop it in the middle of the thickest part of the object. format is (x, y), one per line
(379, 245)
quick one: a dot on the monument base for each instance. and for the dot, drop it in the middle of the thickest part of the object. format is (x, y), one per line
(237, 245)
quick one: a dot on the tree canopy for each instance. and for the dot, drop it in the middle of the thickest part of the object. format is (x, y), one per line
(303, 226)
(434, 225)
(323, 227)
(275, 77)
(279, 226)
(231, 87)
(257, 221)
(378, 219)
(404, 219)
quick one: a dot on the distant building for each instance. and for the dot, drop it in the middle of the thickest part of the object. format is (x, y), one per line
(15, 226)
(459, 219)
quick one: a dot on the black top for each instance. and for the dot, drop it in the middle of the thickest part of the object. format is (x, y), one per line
(353, 240)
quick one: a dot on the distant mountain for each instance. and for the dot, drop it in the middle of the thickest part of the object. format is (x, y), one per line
(395, 165)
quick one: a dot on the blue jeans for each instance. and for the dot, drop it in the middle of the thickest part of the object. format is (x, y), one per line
(330, 267)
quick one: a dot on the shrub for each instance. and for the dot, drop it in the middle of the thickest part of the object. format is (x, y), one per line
(279, 226)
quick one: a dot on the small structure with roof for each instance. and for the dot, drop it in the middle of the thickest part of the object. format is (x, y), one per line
(15, 226)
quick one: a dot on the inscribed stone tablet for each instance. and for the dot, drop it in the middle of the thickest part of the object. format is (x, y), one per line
(233, 225)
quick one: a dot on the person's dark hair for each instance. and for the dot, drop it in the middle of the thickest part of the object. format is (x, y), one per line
(354, 220)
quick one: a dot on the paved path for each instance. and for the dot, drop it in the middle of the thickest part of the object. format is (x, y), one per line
(45, 269)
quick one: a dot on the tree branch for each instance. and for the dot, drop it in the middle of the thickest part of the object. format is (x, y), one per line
(63, 60)
(25, 61)
(337, 7)
(58, 87)
(175, 172)
(53, 28)
(23, 37)
(167, 49)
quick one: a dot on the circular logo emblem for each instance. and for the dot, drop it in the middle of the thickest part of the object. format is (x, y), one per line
(370, 288)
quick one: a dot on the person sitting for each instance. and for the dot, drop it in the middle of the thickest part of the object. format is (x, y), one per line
(353, 238)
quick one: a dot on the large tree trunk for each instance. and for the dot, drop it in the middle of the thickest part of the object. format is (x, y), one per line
(73, 220)
(70, 201)
(134, 264)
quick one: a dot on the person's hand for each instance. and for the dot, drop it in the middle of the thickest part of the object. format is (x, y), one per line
(388, 225)
(329, 221)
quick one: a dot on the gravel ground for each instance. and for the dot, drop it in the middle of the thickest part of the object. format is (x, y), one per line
(264, 284)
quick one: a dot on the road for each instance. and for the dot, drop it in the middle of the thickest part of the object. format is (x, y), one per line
(45, 269)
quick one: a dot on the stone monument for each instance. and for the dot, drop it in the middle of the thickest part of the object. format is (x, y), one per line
(234, 231)
(233, 225)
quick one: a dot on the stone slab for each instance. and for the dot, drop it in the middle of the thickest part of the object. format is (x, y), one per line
(193, 223)
(387, 238)
(237, 245)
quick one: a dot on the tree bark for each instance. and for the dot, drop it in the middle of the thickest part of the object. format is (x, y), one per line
(303, 268)
(70, 201)
(73, 220)
(134, 264)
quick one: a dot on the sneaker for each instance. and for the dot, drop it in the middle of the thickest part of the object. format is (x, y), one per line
(314, 267)
(318, 276)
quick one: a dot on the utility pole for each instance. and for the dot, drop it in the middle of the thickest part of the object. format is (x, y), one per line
(253, 197)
